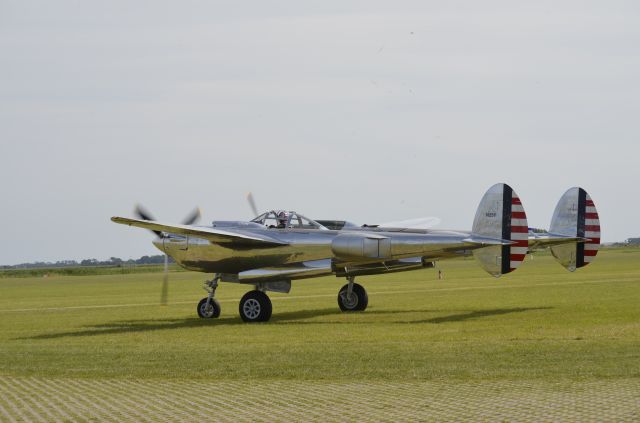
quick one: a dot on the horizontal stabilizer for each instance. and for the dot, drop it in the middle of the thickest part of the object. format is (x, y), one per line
(486, 241)
(539, 241)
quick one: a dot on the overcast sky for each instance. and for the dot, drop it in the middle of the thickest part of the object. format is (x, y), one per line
(367, 111)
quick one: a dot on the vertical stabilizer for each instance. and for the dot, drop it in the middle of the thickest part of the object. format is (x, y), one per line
(576, 216)
(501, 216)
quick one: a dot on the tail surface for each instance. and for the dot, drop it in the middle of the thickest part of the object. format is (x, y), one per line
(500, 215)
(576, 216)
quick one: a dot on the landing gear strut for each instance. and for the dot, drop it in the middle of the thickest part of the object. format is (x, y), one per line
(209, 307)
(352, 296)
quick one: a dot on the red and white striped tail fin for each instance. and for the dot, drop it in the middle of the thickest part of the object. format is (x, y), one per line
(591, 231)
(576, 216)
(519, 233)
(500, 216)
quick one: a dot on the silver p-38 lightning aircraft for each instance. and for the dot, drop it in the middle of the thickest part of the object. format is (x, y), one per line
(278, 247)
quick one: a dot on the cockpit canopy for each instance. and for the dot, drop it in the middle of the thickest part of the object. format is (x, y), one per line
(286, 219)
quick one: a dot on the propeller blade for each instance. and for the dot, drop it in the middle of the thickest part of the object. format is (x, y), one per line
(252, 204)
(192, 217)
(144, 214)
(165, 282)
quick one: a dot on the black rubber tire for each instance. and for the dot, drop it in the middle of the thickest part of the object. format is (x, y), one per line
(361, 298)
(210, 314)
(255, 306)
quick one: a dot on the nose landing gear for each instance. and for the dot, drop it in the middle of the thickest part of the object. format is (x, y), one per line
(209, 307)
(255, 306)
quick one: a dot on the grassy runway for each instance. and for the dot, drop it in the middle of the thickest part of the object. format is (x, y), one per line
(538, 327)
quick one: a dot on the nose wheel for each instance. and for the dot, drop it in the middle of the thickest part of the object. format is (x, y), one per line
(353, 297)
(209, 307)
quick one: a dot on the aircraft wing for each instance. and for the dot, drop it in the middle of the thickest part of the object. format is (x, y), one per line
(211, 234)
(419, 223)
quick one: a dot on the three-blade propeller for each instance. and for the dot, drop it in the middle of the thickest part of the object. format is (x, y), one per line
(191, 218)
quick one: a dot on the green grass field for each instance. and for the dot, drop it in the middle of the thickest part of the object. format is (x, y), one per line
(540, 326)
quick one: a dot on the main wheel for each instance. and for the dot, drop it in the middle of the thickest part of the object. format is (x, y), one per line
(358, 300)
(210, 312)
(255, 306)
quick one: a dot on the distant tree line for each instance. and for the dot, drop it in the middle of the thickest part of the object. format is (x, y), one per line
(112, 262)
(630, 242)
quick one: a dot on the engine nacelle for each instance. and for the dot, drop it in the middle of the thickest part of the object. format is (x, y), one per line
(361, 246)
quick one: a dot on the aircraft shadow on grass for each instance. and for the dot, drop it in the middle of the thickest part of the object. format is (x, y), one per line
(477, 314)
(132, 326)
(293, 317)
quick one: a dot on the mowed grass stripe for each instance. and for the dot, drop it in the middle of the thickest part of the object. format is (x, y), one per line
(618, 280)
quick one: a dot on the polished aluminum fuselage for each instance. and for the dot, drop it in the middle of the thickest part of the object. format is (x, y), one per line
(304, 246)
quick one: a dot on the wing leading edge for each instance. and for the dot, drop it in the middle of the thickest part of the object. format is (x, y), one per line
(211, 234)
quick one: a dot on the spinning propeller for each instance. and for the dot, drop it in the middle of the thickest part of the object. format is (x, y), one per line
(191, 218)
(252, 204)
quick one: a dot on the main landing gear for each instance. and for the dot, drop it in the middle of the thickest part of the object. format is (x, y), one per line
(255, 306)
(352, 296)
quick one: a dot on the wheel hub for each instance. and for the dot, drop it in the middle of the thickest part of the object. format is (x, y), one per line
(207, 309)
(350, 301)
(251, 308)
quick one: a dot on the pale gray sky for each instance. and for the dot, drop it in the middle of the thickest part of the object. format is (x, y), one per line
(369, 111)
